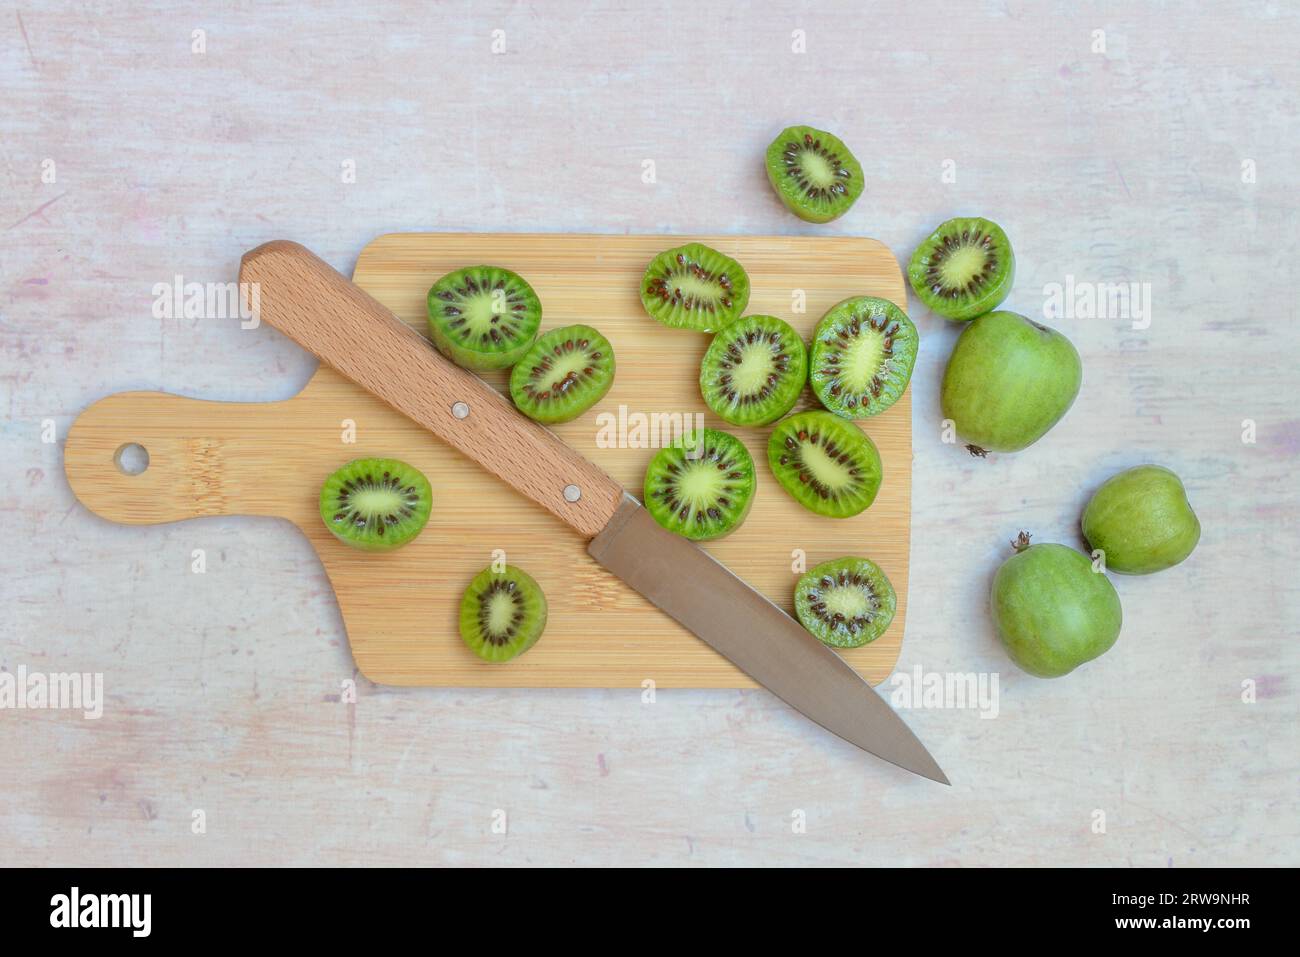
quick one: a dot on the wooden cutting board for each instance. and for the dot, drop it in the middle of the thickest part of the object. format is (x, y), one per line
(400, 608)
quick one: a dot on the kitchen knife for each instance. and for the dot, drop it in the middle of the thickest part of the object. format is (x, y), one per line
(342, 325)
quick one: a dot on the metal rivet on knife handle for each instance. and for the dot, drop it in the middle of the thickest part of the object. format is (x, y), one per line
(572, 493)
(460, 410)
(348, 329)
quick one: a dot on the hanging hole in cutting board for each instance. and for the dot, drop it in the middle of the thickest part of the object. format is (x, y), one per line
(131, 458)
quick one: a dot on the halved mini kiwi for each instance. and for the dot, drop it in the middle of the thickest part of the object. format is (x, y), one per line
(564, 374)
(695, 287)
(964, 268)
(814, 173)
(502, 613)
(863, 351)
(845, 603)
(483, 317)
(754, 370)
(701, 486)
(375, 504)
(827, 464)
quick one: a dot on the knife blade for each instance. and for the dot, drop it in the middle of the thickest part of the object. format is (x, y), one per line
(342, 325)
(760, 639)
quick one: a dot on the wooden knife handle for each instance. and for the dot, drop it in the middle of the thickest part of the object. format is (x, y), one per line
(342, 325)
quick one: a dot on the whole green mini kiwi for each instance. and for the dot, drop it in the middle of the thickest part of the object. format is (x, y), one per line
(1141, 520)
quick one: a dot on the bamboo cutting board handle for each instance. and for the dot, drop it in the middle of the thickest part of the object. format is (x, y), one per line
(204, 458)
(343, 326)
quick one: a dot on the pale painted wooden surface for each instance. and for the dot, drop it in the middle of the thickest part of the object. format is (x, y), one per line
(222, 688)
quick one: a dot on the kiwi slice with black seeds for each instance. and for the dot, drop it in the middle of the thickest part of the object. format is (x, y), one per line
(564, 374)
(815, 174)
(845, 603)
(483, 317)
(695, 287)
(863, 351)
(702, 485)
(826, 463)
(964, 268)
(502, 613)
(376, 504)
(754, 370)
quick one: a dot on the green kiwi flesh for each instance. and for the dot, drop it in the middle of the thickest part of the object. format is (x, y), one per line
(845, 603)
(863, 351)
(701, 486)
(483, 317)
(826, 463)
(695, 287)
(502, 614)
(376, 504)
(815, 174)
(753, 371)
(964, 268)
(564, 374)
